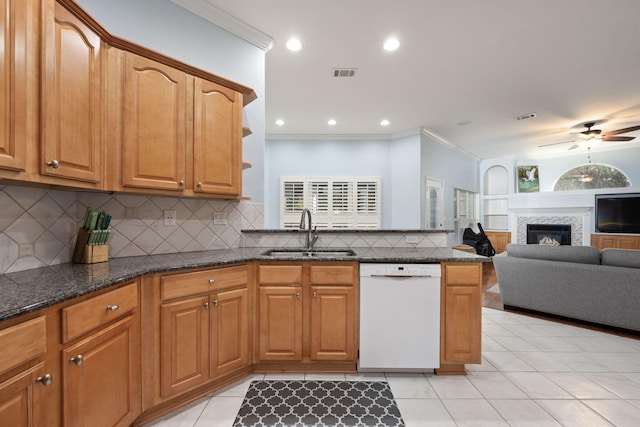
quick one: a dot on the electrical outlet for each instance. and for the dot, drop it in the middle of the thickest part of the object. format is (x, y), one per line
(219, 218)
(411, 239)
(170, 218)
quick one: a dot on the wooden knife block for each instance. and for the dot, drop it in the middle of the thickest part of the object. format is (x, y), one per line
(89, 254)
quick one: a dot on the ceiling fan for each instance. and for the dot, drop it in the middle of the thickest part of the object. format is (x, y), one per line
(590, 137)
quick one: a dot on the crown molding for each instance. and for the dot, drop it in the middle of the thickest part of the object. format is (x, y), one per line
(227, 22)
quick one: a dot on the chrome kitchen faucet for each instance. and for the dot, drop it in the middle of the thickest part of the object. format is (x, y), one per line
(309, 241)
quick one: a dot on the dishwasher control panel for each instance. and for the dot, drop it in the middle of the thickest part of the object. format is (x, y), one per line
(400, 270)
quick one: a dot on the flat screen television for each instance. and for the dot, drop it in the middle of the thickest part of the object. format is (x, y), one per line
(618, 213)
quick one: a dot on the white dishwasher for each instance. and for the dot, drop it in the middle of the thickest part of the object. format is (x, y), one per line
(399, 317)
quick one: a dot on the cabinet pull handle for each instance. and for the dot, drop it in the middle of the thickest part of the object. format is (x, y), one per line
(45, 380)
(113, 307)
(315, 294)
(297, 295)
(181, 183)
(215, 302)
(54, 164)
(212, 281)
(78, 360)
(206, 305)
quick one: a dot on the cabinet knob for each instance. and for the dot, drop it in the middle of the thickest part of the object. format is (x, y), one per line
(206, 305)
(215, 302)
(199, 184)
(181, 183)
(54, 164)
(77, 360)
(113, 307)
(45, 380)
(315, 294)
(297, 295)
(212, 281)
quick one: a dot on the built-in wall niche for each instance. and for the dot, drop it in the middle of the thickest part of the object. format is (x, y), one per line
(495, 199)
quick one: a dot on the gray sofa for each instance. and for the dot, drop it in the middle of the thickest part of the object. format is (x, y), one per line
(577, 282)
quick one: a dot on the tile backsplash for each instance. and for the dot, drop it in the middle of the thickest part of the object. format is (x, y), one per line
(38, 226)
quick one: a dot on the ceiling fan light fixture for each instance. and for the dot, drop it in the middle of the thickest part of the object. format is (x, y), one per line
(590, 142)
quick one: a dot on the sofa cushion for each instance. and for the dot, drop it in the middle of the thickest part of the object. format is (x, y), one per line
(567, 253)
(621, 257)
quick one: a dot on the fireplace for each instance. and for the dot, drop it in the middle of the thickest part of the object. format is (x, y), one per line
(549, 234)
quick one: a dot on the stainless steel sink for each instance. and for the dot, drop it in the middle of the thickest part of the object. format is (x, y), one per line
(309, 253)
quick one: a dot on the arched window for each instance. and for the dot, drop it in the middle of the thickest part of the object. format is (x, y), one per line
(591, 176)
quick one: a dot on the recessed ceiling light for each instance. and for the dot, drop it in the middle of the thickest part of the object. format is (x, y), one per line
(384, 122)
(293, 44)
(391, 44)
(332, 122)
(280, 122)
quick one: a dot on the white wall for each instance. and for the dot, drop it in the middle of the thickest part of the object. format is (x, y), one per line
(403, 164)
(453, 167)
(324, 158)
(406, 195)
(169, 29)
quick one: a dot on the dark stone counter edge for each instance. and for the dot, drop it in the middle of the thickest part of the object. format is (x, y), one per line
(344, 231)
(64, 282)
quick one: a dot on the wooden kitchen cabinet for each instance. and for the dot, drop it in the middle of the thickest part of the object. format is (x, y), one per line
(217, 139)
(461, 316)
(204, 327)
(17, 60)
(71, 99)
(307, 316)
(101, 370)
(154, 125)
(23, 392)
(280, 319)
(499, 240)
(619, 241)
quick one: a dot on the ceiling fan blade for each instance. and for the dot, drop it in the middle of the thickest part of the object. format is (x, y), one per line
(555, 143)
(625, 130)
(618, 138)
(574, 146)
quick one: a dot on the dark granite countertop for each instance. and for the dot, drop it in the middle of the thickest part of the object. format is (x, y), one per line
(31, 290)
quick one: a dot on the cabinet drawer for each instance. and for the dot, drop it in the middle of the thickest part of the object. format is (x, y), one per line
(198, 282)
(332, 275)
(22, 342)
(280, 274)
(92, 313)
(463, 274)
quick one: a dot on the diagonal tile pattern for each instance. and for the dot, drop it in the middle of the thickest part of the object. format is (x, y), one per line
(593, 382)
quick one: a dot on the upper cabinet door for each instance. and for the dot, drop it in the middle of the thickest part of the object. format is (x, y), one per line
(154, 125)
(217, 139)
(71, 104)
(14, 36)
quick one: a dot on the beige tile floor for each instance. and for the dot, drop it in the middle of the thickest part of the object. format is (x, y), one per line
(534, 372)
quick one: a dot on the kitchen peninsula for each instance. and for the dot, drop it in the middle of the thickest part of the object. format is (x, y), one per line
(122, 319)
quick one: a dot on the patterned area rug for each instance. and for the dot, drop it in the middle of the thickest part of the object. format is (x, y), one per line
(318, 403)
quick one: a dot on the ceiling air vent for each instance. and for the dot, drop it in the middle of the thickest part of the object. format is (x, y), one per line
(344, 72)
(525, 116)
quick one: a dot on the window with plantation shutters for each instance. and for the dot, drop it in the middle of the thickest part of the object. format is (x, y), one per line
(292, 196)
(335, 202)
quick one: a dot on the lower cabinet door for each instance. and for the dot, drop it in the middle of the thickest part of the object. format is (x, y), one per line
(101, 377)
(280, 332)
(462, 328)
(21, 399)
(184, 337)
(229, 326)
(333, 323)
